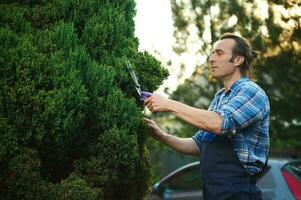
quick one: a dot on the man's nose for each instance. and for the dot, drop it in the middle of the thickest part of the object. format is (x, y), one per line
(211, 58)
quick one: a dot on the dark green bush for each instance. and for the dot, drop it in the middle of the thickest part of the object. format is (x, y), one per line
(70, 125)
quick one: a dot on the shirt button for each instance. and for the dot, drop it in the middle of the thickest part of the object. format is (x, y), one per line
(233, 132)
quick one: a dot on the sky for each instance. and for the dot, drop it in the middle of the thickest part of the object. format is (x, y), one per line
(153, 26)
(154, 30)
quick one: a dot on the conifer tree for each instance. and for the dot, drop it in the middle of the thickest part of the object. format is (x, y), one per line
(70, 123)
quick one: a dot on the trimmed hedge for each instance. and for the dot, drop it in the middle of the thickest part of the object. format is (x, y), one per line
(70, 127)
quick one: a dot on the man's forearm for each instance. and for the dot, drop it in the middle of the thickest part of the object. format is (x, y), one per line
(202, 119)
(182, 145)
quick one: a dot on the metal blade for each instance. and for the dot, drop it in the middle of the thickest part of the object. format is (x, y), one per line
(134, 78)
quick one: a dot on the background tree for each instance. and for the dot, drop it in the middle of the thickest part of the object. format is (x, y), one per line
(70, 127)
(274, 29)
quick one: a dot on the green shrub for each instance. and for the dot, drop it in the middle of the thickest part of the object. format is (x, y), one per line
(70, 125)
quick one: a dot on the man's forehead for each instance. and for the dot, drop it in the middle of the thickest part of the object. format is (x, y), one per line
(224, 44)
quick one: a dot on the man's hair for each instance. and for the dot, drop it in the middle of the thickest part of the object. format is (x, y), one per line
(242, 48)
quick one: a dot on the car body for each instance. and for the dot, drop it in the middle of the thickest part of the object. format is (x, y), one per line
(280, 180)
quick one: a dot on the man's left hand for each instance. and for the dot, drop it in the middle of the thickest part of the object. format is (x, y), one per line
(157, 103)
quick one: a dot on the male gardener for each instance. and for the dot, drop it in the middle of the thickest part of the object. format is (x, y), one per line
(233, 136)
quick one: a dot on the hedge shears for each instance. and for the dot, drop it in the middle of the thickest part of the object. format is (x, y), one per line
(142, 94)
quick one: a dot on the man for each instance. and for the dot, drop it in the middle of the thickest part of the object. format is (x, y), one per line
(233, 138)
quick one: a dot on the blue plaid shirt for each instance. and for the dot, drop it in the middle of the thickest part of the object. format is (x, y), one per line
(245, 111)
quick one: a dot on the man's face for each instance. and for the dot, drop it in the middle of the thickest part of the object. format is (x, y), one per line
(221, 67)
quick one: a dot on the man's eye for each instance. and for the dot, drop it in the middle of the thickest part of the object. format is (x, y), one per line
(216, 52)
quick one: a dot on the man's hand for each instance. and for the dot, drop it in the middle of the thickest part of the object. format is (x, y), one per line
(157, 103)
(182, 145)
(155, 131)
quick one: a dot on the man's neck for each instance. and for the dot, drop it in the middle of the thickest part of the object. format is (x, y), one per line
(228, 82)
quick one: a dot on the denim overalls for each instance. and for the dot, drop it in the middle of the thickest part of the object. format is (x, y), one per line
(222, 173)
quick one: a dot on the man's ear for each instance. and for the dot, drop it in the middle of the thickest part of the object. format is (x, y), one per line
(238, 60)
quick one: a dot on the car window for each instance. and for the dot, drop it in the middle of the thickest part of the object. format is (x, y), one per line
(267, 180)
(294, 168)
(185, 180)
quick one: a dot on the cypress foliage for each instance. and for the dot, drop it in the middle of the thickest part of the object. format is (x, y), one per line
(70, 127)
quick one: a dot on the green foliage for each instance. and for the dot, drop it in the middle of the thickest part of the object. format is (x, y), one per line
(70, 123)
(75, 188)
(276, 36)
(22, 178)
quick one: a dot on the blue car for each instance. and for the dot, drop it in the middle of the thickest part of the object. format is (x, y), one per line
(280, 180)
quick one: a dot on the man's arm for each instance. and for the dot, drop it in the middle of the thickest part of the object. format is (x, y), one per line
(182, 145)
(205, 120)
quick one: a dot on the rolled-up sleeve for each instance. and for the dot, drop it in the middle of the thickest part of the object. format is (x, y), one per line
(198, 138)
(242, 110)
